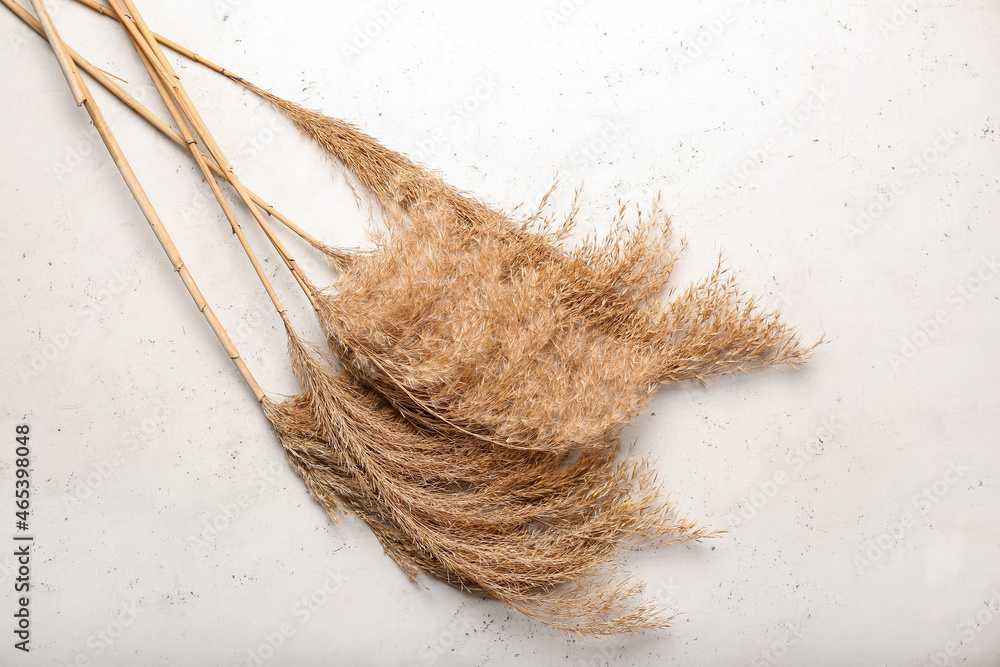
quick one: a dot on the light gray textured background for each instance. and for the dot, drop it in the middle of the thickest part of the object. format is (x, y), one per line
(769, 128)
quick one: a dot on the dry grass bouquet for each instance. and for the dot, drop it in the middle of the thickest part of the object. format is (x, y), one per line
(479, 367)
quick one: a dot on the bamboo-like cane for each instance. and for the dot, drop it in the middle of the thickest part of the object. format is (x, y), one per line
(145, 43)
(65, 64)
(178, 48)
(82, 94)
(102, 77)
(202, 162)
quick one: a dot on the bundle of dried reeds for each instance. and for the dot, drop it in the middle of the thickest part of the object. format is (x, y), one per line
(598, 338)
(509, 361)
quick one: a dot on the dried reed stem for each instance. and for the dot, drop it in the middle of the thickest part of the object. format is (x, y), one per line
(201, 160)
(59, 50)
(336, 255)
(174, 46)
(83, 95)
(147, 44)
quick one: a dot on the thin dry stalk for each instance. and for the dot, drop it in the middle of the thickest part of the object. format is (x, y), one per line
(83, 97)
(182, 124)
(337, 256)
(149, 49)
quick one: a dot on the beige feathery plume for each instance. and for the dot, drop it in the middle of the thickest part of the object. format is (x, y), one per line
(510, 363)
(474, 321)
(471, 320)
(533, 529)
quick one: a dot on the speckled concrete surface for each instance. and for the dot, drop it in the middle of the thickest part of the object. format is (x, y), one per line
(844, 156)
